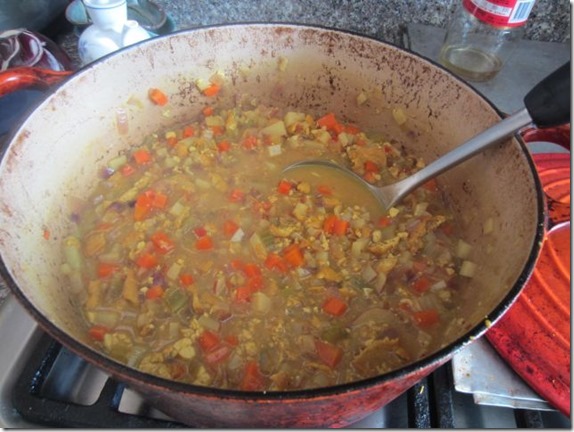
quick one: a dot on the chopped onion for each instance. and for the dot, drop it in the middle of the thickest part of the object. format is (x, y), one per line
(237, 236)
(467, 269)
(488, 226)
(275, 150)
(462, 249)
(380, 282)
(368, 274)
(438, 285)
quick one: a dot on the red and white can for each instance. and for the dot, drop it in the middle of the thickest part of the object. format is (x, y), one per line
(500, 13)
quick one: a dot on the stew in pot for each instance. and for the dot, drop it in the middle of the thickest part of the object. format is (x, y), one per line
(197, 259)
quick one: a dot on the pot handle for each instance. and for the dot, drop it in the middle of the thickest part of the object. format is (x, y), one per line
(20, 78)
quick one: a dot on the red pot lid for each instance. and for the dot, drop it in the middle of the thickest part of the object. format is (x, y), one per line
(534, 335)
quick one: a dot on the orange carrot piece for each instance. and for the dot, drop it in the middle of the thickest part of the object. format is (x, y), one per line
(212, 90)
(155, 292)
(204, 243)
(188, 131)
(97, 332)
(229, 228)
(208, 340)
(105, 269)
(147, 260)
(293, 255)
(157, 96)
(341, 226)
(329, 354)
(421, 285)
(223, 146)
(162, 243)
(186, 279)
(252, 378)
(207, 111)
(334, 306)
(426, 318)
(142, 156)
(284, 187)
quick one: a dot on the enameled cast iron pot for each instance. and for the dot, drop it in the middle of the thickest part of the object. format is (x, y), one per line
(56, 153)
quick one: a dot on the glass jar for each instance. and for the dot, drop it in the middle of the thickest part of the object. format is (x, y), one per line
(481, 35)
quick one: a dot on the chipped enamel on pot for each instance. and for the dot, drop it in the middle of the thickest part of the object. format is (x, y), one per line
(57, 152)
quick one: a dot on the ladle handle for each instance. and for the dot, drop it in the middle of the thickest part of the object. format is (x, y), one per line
(548, 103)
(475, 145)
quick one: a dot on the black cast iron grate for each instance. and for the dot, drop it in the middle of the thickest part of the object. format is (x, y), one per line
(429, 403)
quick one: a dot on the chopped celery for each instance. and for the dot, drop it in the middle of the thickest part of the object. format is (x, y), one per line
(176, 299)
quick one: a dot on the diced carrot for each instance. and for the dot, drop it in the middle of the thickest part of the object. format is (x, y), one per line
(186, 279)
(229, 228)
(163, 244)
(284, 187)
(328, 121)
(147, 260)
(207, 111)
(324, 190)
(371, 166)
(329, 224)
(148, 200)
(208, 340)
(46, 234)
(141, 208)
(223, 146)
(329, 354)
(251, 270)
(157, 96)
(188, 131)
(236, 195)
(204, 243)
(293, 255)
(249, 142)
(341, 226)
(426, 318)
(106, 269)
(275, 262)
(154, 292)
(243, 293)
(142, 156)
(252, 380)
(334, 306)
(421, 284)
(97, 332)
(212, 90)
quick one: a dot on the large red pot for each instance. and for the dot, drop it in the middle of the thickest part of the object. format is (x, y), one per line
(56, 153)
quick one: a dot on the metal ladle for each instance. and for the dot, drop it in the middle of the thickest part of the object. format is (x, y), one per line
(547, 104)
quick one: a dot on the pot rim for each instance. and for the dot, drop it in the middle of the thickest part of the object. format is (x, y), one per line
(128, 374)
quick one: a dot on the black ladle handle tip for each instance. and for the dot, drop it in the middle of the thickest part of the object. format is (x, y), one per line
(548, 103)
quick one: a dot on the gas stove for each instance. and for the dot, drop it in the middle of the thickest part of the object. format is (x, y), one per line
(42, 384)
